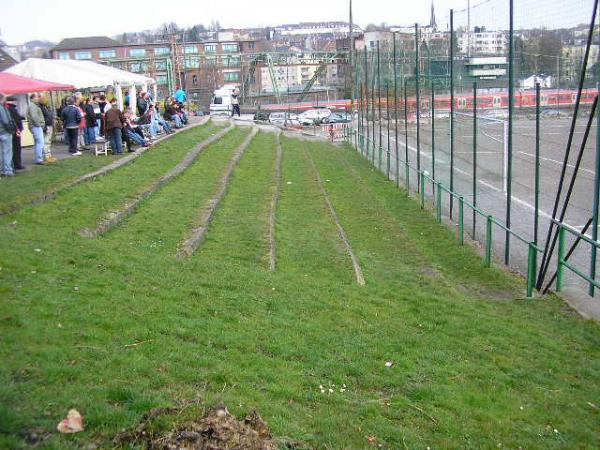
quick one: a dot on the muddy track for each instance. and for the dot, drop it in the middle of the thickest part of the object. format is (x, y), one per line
(191, 244)
(47, 196)
(360, 279)
(273, 210)
(115, 218)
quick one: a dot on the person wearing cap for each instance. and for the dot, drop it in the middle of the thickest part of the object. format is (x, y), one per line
(11, 105)
(7, 128)
(35, 118)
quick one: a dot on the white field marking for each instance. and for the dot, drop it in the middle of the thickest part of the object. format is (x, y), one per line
(479, 153)
(558, 162)
(515, 199)
(488, 185)
(549, 134)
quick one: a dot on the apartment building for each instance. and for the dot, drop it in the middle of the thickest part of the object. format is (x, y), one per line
(201, 67)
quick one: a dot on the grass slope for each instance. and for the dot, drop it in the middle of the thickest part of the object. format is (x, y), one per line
(470, 371)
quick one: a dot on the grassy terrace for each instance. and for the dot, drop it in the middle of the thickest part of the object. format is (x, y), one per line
(474, 364)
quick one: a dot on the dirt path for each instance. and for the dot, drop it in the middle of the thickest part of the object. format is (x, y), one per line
(190, 245)
(115, 218)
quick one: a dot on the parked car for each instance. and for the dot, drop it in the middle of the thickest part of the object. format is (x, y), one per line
(337, 118)
(554, 114)
(283, 119)
(314, 116)
(261, 116)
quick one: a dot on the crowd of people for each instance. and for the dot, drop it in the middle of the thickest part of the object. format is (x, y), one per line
(85, 121)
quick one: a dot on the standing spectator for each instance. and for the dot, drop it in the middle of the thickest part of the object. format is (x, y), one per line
(97, 116)
(48, 129)
(7, 128)
(82, 124)
(90, 123)
(36, 120)
(11, 105)
(103, 108)
(235, 102)
(114, 127)
(180, 95)
(71, 117)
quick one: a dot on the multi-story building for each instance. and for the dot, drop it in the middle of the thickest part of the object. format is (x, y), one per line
(571, 62)
(480, 42)
(200, 67)
(244, 58)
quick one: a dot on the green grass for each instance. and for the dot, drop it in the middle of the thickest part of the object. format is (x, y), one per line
(470, 370)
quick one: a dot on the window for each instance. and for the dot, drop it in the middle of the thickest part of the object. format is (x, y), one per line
(231, 61)
(190, 49)
(195, 82)
(83, 55)
(210, 48)
(137, 52)
(251, 45)
(231, 76)
(139, 67)
(64, 55)
(161, 65)
(191, 63)
(162, 51)
(211, 61)
(231, 48)
(161, 79)
(108, 53)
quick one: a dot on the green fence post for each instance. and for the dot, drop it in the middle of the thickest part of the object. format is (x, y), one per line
(438, 202)
(387, 110)
(560, 271)
(417, 97)
(488, 242)
(461, 220)
(451, 62)
(422, 184)
(379, 106)
(406, 164)
(531, 269)
(474, 157)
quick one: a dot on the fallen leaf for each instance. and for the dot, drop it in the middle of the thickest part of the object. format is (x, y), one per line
(73, 423)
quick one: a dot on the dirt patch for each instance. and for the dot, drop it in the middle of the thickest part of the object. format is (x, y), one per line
(431, 272)
(484, 293)
(217, 429)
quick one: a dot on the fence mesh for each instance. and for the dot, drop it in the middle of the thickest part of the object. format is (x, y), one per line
(454, 102)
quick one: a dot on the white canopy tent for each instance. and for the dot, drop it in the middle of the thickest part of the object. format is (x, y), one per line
(84, 74)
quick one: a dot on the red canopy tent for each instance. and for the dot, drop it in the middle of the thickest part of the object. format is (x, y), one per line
(14, 84)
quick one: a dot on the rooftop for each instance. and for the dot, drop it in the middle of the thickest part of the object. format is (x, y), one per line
(80, 43)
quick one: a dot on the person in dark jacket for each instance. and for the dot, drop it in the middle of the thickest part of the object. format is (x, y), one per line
(142, 104)
(89, 131)
(113, 122)
(71, 117)
(11, 105)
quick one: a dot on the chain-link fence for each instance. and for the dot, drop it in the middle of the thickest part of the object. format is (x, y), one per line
(489, 115)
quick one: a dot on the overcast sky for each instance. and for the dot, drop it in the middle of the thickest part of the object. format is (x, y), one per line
(24, 20)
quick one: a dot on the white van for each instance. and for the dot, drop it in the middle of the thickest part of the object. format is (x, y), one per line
(221, 101)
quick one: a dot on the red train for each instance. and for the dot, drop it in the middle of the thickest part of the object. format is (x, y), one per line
(496, 100)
